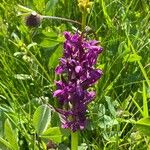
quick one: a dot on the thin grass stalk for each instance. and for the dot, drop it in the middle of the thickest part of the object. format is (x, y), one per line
(74, 140)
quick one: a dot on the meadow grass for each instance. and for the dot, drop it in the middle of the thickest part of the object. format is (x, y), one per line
(28, 57)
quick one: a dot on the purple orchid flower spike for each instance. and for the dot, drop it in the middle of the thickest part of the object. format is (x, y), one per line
(77, 75)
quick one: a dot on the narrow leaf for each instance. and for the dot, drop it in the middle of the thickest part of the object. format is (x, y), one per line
(145, 106)
(24, 9)
(132, 58)
(40, 5)
(5, 143)
(50, 5)
(138, 107)
(144, 126)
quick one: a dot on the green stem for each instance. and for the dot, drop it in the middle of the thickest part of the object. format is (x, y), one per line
(84, 15)
(74, 140)
(60, 18)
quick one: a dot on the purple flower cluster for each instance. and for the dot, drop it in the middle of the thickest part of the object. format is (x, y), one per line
(77, 73)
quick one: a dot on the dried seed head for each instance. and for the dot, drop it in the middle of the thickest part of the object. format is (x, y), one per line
(33, 20)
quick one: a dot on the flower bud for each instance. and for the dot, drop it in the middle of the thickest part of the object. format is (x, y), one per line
(33, 20)
(85, 5)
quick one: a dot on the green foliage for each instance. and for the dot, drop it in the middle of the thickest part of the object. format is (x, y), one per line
(144, 126)
(11, 135)
(41, 118)
(53, 134)
(118, 117)
(5, 144)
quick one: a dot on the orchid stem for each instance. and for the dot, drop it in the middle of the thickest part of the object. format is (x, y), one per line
(74, 140)
(84, 15)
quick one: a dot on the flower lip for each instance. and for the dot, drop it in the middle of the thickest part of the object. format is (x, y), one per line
(57, 93)
(67, 35)
(59, 69)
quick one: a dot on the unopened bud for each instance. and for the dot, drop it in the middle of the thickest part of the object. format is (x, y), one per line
(33, 20)
(85, 5)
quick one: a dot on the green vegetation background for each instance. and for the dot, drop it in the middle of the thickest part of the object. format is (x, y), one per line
(28, 57)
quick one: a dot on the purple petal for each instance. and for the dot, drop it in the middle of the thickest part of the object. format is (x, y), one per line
(95, 74)
(78, 69)
(75, 38)
(67, 35)
(63, 61)
(96, 49)
(59, 84)
(89, 97)
(57, 93)
(93, 42)
(59, 69)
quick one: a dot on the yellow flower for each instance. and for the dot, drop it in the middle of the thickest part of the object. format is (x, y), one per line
(85, 5)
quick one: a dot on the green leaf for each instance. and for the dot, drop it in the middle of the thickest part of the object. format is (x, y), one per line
(24, 9)
(83, 146)
(50, 5)
(49, 33)
(54, 58)
(46, 43)
(33, 44)
(148, 92)
(55, 120)
(10, 135)
(4, 143)
(132, 58)
(144, 126)
(100, 110)
(145, 102)
(138, 106)
(41, 118)
(107, 121)
(111, 106)
(52, 54)
(40, 5)
(23, 77)
(53, 133)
